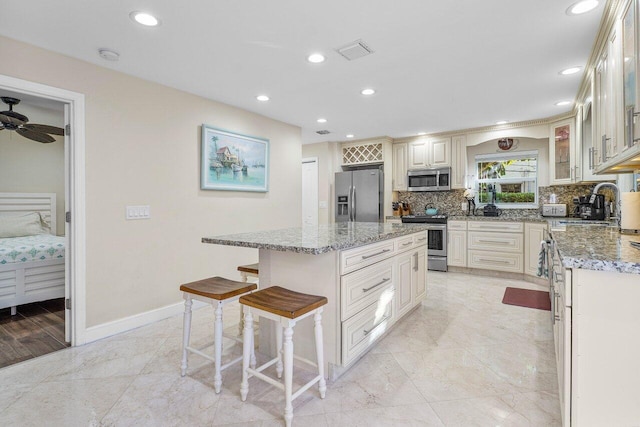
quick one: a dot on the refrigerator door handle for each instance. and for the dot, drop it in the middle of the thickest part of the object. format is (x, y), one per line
(353, 201)
(350, 205)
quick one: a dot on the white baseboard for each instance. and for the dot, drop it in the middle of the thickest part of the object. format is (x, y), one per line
(125, 324)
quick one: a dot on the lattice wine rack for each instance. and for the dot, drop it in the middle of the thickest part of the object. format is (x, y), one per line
(358, 154)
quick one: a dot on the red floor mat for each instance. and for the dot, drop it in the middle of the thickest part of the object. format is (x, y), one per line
(527, 298)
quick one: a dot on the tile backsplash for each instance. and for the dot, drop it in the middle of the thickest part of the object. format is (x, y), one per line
(449, 202)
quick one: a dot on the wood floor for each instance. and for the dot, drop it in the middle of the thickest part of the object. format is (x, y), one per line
(37, 329)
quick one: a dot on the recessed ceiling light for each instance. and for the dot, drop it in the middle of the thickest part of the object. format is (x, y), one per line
(581, 7)
(350, 135)
(108, 54)
(145, 19)
(315, 58)
(421, 133)
(262, 98)
(502, 122)
(570, 71)
(321, 120)
(562, 103)
(367, 91)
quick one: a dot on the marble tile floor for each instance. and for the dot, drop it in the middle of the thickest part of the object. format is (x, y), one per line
(460, 359)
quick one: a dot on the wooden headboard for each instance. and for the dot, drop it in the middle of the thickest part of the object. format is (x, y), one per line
(45, 203)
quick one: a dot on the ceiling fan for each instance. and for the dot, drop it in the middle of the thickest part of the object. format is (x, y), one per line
(11, 120)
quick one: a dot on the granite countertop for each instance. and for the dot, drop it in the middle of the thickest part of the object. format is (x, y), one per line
(319, 239)
(533, 216)
(596, 247)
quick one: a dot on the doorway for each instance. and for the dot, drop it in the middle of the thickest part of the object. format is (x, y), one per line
(71, 305)
(310, 192)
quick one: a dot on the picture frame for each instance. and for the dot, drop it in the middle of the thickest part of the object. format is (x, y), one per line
(233, 162)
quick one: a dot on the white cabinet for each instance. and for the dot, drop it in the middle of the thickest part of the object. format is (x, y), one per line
(457, 243)
(430, 153)
(399, 167)
(534, 234)
(495, 245)
(562, 157)
(411, 286)
(458, 161)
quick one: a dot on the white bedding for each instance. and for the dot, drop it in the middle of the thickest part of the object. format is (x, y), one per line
(31, 248)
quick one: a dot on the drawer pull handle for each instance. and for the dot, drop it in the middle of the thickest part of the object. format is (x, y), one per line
(422, 239)
(366, 332)
(376, 285)
(498, 261)
(407, 244)
(376, 254)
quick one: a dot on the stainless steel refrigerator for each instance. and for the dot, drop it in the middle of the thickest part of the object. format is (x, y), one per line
(359, 196)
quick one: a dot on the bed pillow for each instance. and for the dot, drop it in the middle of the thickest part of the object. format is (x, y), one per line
(19, 225)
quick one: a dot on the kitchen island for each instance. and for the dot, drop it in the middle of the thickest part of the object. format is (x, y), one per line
(371, 273)
(595, 296)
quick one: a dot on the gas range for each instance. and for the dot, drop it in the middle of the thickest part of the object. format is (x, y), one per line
(424, 218)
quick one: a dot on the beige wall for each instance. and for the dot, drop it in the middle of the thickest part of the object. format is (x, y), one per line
(143, 148)
(28, 166)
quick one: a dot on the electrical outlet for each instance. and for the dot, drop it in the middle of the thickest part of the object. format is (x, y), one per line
(138, 212)
(463, 206)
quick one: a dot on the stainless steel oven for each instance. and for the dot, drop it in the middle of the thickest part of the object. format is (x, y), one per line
(436, 239)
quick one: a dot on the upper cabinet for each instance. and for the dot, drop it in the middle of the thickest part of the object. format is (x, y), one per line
(562, 152)
(458, 161)
(429, 153)
(399, 167)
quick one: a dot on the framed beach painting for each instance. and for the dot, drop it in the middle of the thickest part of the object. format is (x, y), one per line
(233, 162)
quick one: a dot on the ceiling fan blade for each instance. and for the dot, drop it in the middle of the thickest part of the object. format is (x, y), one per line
(52, 130)
(36, 136)
(9, 119)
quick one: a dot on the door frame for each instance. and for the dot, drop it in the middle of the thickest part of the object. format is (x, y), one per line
(75, 270)
(313, 160)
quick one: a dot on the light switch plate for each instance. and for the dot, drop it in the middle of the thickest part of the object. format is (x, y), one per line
(322, 204)
(463, 206)
(138, 212)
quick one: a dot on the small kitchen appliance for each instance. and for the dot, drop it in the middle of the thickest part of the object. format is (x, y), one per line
(491, 209)
(590, 207)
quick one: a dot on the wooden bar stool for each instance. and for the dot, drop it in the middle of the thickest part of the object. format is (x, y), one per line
(216, 291)
(252, 270)
(286, 308)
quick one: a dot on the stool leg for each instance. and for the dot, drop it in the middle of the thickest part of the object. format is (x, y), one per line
(244, 276)
(241, 323)
(279, 350)
(288, 373)
(253, 352)
(186, 333)
(247, 343)
(217, 345)
(317, 318)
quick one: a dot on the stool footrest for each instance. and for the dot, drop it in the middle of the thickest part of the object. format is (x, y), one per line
(263, 377)
(307, 361)
(234, 361)
(200, 353)
(305, 387)
(265, 365)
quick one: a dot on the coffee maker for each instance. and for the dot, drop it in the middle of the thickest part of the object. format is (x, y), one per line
(590, 207)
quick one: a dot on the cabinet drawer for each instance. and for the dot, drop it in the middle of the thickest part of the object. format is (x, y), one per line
(363, 329)
(356, 258)
(420, 239)
(503, 242)
(364, 287)
(498, 226)
(404, 243)
(499, 261)
(457, 225)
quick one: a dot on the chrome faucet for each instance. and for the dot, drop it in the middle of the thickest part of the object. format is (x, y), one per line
(618, 204)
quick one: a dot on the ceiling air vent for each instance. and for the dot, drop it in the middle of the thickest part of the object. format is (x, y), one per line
(355, 50)
(322, 132)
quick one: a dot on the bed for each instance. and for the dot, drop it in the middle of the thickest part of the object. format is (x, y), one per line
(31, 267)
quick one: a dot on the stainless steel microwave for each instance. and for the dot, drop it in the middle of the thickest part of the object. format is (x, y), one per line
(435, 179)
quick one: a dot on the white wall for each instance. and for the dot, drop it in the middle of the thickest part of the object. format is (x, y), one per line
(143, 148)
(28, 166)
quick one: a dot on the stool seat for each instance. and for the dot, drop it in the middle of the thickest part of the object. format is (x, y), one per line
(218, 288)
(250, 268)
(283, 302)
